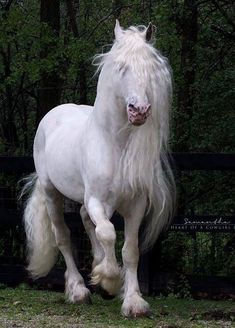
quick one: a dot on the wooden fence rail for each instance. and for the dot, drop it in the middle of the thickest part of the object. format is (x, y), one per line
(19, 165)
(180, 161)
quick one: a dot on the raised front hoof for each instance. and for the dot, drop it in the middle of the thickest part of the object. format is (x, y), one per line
(104, 294)
(135, 307)
(109, 281)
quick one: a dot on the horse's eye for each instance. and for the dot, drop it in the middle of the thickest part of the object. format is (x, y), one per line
(123, 69)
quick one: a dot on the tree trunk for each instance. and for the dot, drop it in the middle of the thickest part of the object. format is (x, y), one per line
(50, 88)
(82, 79)
(8, 128)
(186, 92)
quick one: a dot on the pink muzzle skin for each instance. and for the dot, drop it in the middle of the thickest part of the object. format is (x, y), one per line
(138, 115)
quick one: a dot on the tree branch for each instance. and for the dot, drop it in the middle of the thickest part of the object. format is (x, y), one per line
(226, 34)
(224, 14)
(107, 16)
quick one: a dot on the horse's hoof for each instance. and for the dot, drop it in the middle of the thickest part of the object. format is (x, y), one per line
(88, 301)
(135, 306)
(78, 294)
(104, 294)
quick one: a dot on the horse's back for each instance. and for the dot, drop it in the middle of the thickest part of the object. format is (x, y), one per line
(62, 123)
(67, 116)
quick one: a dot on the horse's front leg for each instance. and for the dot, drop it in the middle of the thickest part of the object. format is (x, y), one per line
(133, 305)
(89, 226)
(106, 273)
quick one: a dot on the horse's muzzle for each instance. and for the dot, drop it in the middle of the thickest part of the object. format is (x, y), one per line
(137, 115)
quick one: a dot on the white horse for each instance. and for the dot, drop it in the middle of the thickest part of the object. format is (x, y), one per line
(107, 157)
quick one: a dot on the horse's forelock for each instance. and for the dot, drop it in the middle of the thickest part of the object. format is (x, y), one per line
(124, 51)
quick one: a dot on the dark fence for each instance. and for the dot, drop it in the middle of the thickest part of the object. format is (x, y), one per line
(151, 279)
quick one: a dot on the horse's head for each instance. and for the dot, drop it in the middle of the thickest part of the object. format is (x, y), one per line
(133, 74)
(136, 76)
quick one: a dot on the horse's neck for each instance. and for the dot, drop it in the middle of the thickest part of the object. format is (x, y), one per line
(136, 146)
(109, 115)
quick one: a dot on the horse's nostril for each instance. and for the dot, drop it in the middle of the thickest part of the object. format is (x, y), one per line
(141, 109)
(132, 108)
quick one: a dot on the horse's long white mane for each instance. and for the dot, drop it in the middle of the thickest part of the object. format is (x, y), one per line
(144, 163)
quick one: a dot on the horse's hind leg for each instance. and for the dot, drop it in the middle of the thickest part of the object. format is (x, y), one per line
(107, 272)
(97, 249)
(76, 290)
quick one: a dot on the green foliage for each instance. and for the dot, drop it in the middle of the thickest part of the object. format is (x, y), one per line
(205, 254)
(23, 39)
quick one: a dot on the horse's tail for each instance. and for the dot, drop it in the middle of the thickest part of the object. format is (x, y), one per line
(162, 203)
(41, 245)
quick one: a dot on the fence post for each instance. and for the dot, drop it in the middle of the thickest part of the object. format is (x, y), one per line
(149, 266)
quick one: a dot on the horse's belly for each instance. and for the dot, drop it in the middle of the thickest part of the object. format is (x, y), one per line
(70, 186)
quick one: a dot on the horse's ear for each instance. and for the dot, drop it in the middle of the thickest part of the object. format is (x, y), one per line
(117, 30)
(149, 32)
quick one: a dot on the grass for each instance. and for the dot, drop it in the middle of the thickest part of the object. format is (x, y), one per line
(25, 308)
